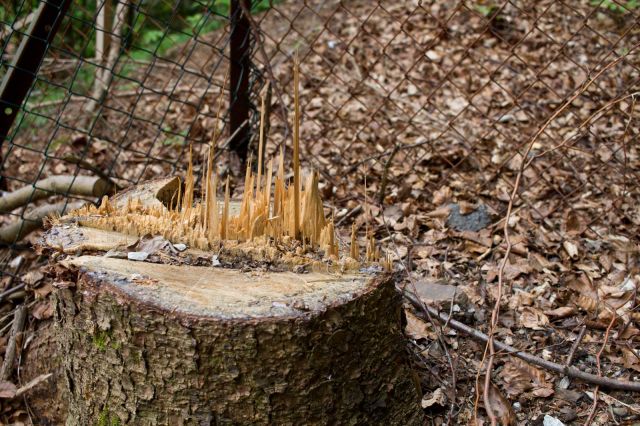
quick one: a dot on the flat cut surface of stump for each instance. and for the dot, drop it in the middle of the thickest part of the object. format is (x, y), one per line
(220, 292)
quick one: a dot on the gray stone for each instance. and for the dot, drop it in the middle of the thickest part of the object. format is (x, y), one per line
(137, 255)
(430, 292)
(474, 221)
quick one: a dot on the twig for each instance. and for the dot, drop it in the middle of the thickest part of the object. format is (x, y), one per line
(10, 354)
(32, 383)
(569, 371)
(594, 407)
(226, 143)
(385, 175)
(10, 291)
(575, 346)
(354, 211)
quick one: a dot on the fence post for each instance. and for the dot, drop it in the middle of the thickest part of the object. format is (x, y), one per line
(24, 68)
(240, 57)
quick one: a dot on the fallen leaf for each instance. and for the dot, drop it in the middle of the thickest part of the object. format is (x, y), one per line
(437, 397)
(520, 377)
(7, 390)
(561, 312)
(43, 310)
(500, 406)
(32, 277)
(533, 318)
(43, 291)
(574, 224)
(571, 248)
(416, 328)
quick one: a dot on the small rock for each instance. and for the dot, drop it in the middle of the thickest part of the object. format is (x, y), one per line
(215, 261)
(180, 247)
(620, 411)
(436, 292)
(551, 421)
(474, 221)
(137, 255)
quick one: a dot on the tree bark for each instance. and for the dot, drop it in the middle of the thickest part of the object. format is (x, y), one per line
(151, 344)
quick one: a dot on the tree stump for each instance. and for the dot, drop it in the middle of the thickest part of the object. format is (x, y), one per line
(168, 342)
(149, 343)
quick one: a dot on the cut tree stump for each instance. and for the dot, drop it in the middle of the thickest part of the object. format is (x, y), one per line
(165, 342)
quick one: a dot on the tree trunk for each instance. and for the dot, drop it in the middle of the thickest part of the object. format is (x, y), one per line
(151, 344)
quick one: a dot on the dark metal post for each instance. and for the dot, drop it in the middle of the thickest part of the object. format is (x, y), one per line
(239, 78)
(24, 68)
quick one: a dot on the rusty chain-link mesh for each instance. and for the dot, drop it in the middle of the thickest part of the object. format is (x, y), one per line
(440, 101)
(131, 112)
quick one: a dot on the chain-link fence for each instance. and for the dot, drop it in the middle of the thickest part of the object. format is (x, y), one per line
(117, 90)
(432, 123)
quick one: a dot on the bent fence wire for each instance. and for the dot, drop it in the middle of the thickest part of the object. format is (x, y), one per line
(409, 106)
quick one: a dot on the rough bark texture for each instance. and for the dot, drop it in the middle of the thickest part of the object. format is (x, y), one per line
(127, 362)
(47, 402)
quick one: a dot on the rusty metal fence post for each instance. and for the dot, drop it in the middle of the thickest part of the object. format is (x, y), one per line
(23, 70)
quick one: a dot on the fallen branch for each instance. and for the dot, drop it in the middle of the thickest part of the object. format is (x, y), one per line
(569, 371)
(32, 220)
(19, 318)
(87, 186)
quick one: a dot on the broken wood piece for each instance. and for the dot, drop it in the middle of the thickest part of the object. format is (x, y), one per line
(86, 186)
(154, 193)
(19, 228)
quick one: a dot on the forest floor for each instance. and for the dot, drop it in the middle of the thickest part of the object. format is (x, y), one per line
(419, 117)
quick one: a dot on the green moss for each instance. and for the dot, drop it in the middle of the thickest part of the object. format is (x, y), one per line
(106, 419)
(100, 340)
(103, 417)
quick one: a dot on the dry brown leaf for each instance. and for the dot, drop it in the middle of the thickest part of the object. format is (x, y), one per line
(511, 270)
(500, 406)
(533, 318)
(561, 312)
(520, 377)
(43, 291)
(571, 248)
(630, 360)
(416, 328)
(43, 310)
(437, 397)
(7, 390)
(441, 196)
(32, 277)
(573, 223)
